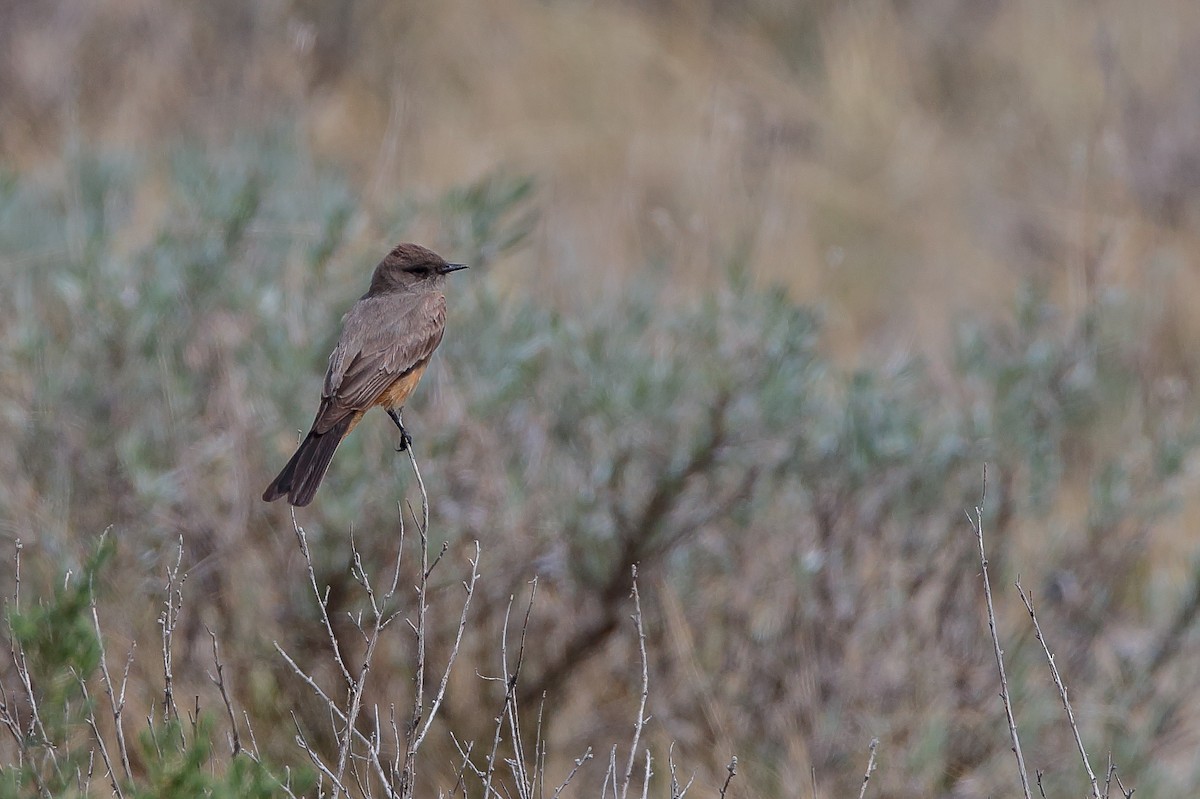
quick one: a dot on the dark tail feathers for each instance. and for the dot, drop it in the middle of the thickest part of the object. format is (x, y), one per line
(304, 472)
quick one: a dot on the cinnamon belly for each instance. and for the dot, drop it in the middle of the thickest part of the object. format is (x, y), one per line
(395, 395)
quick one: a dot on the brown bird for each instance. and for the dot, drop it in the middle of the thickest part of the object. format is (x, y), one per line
(387, 339)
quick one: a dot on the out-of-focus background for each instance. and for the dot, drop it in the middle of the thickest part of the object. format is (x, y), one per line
(758, 287)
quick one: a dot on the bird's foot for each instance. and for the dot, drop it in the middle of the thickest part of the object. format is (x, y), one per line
(405, 438)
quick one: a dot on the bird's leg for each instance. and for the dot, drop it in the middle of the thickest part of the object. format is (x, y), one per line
(405, 438)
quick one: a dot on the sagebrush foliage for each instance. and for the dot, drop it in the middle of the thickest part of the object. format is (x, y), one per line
(163, 333)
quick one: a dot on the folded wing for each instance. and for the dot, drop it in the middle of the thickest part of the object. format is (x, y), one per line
(383, 338)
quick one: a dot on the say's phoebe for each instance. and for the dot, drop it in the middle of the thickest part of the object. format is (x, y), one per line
(387, 339)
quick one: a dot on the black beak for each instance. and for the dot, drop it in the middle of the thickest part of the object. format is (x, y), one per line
(448, 268)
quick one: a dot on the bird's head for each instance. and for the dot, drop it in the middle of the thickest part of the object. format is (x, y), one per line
(411, 267)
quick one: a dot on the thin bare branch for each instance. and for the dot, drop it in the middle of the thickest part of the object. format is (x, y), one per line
(731, 772)
(11, 717)
(359, 685)
(91, 720)
(870, 767)
(219, 681)
(116, 703)
(1126, 792)
(469, 587)
(508, 710)
(322, 600)
(640, 722)
(316, 760)
(1062, 690)
(336, 712)
(677, 791)
(977, 527)
(585, 757)
(168, 620)
(610, 774)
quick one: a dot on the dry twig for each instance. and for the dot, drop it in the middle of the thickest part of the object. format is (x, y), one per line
(677, 791)
(870, 767)
(91, 720)
(640, 723)
(9, 715)
(219, 681)
(977, 525)
(168, 620)
(732, 772)
(116, 700)
(1062, 690)
(394, 774)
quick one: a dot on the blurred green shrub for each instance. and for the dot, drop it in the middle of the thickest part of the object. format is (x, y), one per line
(48, 710)
(488, 217)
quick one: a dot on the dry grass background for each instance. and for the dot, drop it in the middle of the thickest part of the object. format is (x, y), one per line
(901, 166)
(879, 157)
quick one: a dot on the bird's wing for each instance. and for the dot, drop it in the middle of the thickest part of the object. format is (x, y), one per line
(382, 338)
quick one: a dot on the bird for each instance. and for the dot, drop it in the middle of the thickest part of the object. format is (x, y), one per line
(387, 339)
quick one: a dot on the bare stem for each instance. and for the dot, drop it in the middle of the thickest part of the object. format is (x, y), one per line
(1062, 690)
(640, 723)
(977, 526)
(585, 757)
(732, 772)
(168, 620)
(469, 588)
(219, 681)
(302, 539)
(91, 720)
(870, 767)
(9, 715)
(116, 703)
